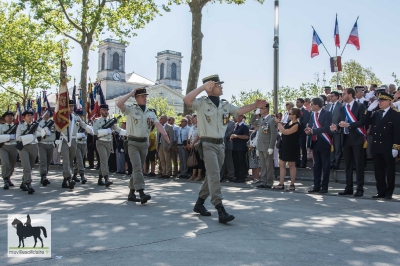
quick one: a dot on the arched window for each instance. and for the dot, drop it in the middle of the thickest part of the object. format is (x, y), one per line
(116, 61)
(103, 61)
(162, 71)
(173, 71)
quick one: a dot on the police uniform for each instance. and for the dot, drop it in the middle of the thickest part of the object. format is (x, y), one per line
(29, 152)
(80, 153)
(138, 126)
(385, 131)
(46, 147)
(104, 145)
(8, 151)
(212, 122)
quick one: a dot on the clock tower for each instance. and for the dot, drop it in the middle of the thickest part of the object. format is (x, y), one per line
(111, 60)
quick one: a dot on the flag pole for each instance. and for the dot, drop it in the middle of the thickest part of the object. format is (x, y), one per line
(347, 38)
(322, 43)
(337, 73)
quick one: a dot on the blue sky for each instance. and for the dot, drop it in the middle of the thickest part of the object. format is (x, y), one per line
(238, 40)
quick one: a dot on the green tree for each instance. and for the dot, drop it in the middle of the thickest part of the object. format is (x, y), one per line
(249, 97)
(354, 74)
(9, 99)
(162, 106)
(83, 21)
(30, 56)
(396, 80)
(196, 7)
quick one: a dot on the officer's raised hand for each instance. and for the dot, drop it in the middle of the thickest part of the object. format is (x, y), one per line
(209, 85)
(373, 105)
(260, 103)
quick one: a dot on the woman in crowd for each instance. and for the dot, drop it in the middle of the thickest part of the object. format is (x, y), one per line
(193, 139)
(254, 162)
(290, 149)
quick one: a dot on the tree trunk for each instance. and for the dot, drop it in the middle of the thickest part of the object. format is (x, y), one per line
(196, 7)
(84, 70)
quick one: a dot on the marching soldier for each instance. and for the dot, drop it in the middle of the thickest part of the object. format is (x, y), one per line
(8, 151)
(27, 138)
(67, 145)
(80, 153)
(139, 120)
(103, 129)
(385, 131)
(46, 146)
(213, 116)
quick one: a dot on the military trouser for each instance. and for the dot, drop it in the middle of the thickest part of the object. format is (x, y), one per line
(104, 148)
(137, 153)
(8, 156)
(80, 156)
(267, 168)
(28, 157)
(45, 155)
(68, 155)
(213, 156)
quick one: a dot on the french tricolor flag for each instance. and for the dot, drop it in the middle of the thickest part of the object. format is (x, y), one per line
(353, 38)
(316, 41)
(336, 34)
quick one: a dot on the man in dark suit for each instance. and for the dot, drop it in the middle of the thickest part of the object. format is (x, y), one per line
(336, 154)
(385, 129)
(351, 125)
(305, 117)
(360, 96)
(319, 130)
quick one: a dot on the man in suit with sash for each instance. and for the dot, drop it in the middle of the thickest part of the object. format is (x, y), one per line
(319, 131)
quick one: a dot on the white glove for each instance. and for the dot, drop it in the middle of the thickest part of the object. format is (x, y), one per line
(257, 112)
(58, 142)
(48, 132)
(395, 153)
(12, 136)
(109, 130)
(270, 151)
(122, 150)
(373, 105)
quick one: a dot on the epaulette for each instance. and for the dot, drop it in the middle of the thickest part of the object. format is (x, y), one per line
(204, 97)
(153, 110)
(395, 109)
(223, 100)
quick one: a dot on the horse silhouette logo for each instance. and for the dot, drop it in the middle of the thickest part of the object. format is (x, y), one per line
(25, 231)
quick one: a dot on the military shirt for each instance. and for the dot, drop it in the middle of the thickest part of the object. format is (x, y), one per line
(21, 129)
(3, 128)
(74, 123)
(139, 123)
(211, 120)
(99, 123)
(52, 129)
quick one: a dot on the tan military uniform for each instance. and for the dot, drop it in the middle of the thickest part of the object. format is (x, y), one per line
(211, 123)
(30, 151)
(46, 145)
(81, 149)
(8, 153)
(104, 143)
(138, 126)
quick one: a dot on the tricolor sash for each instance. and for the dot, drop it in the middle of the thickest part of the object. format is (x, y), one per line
(324, 135)
(350, 116)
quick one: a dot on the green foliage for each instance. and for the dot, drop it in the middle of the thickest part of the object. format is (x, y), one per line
(162, 106)
(354, 74)
(9, 99)
(396, 80)
(249, 97)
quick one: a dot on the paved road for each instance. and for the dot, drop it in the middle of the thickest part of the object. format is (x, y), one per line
(96, 226)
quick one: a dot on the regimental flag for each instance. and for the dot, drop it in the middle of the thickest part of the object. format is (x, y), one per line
(18, 113)
(79, 101)
(316, 41)
(61, 116)
(46, 103)
(336, 34)
(38, 108)
(353, 38)
(90, 102)
(99, 100)
(74, 97)
(336, 63)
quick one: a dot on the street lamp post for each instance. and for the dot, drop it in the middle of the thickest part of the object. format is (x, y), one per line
(276, 56)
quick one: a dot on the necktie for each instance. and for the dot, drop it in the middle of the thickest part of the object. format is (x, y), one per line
(333, 106)
(314, 137)
(380, 115)
(346, 129)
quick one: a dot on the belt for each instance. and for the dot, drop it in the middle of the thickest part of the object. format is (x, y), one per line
(10, 143)
(137, 139)
(212, 140)
(46, 142)
(104, 139)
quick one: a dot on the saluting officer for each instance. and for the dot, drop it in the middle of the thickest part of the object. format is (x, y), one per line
(8, 151)
(104, 143)
(29, 152)
(213, 116)
(68, 146)
(46, 146)
(139, 120)
(80, 151)
(385, 131)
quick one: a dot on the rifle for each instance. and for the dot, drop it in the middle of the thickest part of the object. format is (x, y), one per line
(12, 130)
(109, 124)
(49, 124)
(30, 130)
(81, 130)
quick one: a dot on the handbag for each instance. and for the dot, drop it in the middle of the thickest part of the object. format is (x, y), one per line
(192, 161)
(278, 144)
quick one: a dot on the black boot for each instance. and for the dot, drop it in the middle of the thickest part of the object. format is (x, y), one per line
(30, 188)
(132, 196)
(6, 183)
(68, 183)
(44, 181)
(108, 182)
(83, 178)
(223, 216)
(143, 197)
(76, 179)
(10, 183)
(23, 187)
(199, 208)
(100, 181)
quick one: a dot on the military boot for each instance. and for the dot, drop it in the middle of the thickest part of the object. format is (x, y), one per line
(68, 183)
(75, 178)
(23, 187)
(10, 183)
(6, 183)
(143, 197)
(199, 208)
(108, 182)
(223, 216)
(30, 188)
(100, 181)
(44, 181)
(132, 196)
(83, 178)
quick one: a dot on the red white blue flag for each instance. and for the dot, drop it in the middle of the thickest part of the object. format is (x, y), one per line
(336, 34)
(316, 41)
(353, 38)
